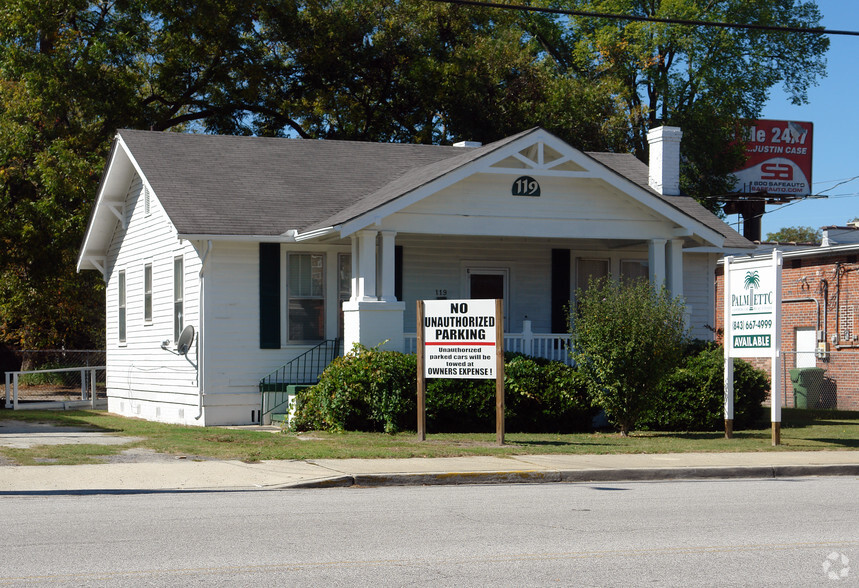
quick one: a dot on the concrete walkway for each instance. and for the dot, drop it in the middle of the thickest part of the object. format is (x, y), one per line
(155, 473)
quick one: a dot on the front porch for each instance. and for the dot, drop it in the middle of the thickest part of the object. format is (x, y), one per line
(551, 346)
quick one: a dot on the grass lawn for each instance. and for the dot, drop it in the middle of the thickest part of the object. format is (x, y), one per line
(801, 431)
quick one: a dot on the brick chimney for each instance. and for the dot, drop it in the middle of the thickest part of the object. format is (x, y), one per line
(665, 159)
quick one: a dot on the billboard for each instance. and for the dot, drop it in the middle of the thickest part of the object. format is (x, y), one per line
(779, 158)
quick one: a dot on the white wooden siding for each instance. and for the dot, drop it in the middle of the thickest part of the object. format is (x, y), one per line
(483, 205)
(234, 361)
(699, 275)
(434, 264)
(140, 373)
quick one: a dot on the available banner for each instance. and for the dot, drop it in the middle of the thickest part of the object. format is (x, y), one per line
(779, 158)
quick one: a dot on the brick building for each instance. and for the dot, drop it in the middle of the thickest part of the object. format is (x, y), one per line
(820, 314)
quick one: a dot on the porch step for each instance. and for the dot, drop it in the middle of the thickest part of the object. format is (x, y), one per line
(277, 417)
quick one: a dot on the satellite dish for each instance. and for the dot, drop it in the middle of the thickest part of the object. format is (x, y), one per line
(185, 340)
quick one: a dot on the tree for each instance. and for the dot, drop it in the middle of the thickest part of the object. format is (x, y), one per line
(705, 80)
(795, 235)
(376, 70)
(627, 336)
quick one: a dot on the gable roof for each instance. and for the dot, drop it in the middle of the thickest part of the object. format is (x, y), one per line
(234, 185)
(237, 186)
(633, 169)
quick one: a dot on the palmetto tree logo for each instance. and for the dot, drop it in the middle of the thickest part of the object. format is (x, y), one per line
(753, 280)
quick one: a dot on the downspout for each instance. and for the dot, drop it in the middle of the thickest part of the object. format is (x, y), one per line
(201, 371)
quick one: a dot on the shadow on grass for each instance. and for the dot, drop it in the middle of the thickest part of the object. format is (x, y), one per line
(60, 418)
(540, 443)
(847, 443)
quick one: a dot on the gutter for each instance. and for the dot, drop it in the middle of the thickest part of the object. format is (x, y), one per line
(201, 372)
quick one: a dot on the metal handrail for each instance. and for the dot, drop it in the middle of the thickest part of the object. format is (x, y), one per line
(304, 369)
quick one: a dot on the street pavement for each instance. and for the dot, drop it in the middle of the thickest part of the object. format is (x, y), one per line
(144, 471)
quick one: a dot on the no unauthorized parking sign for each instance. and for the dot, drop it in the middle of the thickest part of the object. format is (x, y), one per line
(461, 339)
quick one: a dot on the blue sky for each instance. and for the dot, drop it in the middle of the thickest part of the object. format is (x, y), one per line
(833, 107)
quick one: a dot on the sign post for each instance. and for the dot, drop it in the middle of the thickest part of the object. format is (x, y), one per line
(753, 326)
(461, 339)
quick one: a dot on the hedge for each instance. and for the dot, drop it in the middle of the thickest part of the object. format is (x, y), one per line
(373, 390)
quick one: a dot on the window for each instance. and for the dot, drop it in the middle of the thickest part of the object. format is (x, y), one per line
(178, 297)
(633, 269)
(344, 286)
(306, 296)
(588, 270)
(147, 293)
(122, 306)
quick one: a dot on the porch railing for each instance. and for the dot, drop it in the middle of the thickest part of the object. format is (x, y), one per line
(276, 387)
(553, 346)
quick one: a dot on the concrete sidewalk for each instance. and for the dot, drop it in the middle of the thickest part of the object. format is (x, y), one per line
(211, 475)
(141, 470)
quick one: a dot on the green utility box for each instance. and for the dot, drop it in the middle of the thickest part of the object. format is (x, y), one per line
(807, 386)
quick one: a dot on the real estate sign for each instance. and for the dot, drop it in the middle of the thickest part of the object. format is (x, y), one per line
(752, 304)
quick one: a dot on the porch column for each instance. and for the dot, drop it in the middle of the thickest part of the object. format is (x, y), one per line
(388, 268)
(356, 284)
(675, 267)
(369, 319)
(367, 265)
(656, 262)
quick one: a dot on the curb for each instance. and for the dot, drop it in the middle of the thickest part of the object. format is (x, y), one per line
(570, 476)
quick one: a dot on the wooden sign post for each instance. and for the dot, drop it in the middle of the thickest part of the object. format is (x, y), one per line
(461, 339)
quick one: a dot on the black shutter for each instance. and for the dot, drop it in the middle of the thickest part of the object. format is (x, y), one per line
(398, 272)
(560, 289)
(269, 295)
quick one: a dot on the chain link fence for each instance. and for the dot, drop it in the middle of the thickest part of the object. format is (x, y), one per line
(54, 375)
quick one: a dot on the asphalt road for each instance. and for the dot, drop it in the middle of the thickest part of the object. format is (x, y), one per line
(778, 532)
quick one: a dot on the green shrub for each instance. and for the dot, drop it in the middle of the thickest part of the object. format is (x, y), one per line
(692, 397)
(627, 336)
(545, 396)
(365, 390)
(460, 406)
(372, 390)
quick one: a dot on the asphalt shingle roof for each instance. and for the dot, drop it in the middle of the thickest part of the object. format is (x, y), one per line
(235, 185)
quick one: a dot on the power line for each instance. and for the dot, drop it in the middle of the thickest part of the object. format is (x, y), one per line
(680, 21)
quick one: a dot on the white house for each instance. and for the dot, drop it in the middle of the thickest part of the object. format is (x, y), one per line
(269, 246)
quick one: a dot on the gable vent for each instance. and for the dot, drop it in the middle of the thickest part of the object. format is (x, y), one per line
(146, 208)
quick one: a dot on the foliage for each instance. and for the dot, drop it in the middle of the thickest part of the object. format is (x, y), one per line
(545, 396)
(373, 390)
(692, 397)
(382, 70)
(364, 390)
(627, 336)
(795, 235)
(703, 79)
